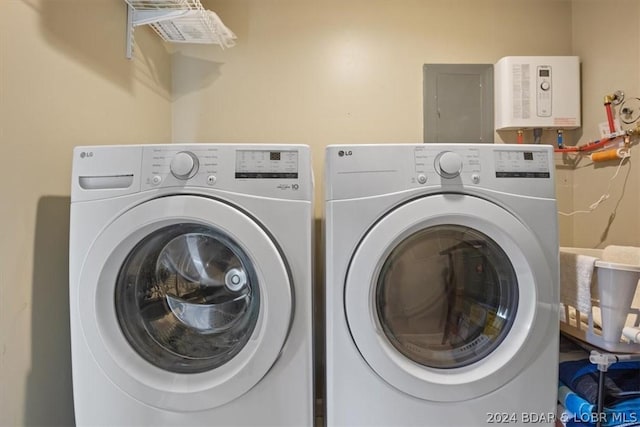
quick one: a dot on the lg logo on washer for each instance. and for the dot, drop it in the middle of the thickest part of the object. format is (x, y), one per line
(86, 154)
(343, 153)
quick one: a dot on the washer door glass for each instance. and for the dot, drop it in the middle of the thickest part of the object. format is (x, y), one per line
(446, 296)
(187, 298)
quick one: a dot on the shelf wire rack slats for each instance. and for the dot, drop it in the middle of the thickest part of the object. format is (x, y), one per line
(180, 21)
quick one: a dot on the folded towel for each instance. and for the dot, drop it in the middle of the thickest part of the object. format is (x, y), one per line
(576, 273)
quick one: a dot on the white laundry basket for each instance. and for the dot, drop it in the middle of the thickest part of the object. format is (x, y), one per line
(597, 311)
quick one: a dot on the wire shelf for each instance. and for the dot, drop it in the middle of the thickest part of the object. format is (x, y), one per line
(178, 21)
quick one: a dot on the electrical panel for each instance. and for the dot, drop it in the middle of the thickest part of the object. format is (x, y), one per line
(537, 92)
(458, 103)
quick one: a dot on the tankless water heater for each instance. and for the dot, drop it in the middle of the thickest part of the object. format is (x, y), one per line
(537, 92)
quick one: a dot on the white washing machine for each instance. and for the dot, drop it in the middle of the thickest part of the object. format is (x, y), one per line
(191, 285)
(442, 287)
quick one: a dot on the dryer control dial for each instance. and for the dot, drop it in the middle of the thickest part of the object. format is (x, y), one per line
(449, 164)
(184, 165)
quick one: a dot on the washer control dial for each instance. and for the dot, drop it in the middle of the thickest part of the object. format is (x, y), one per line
(184, 165)
(449, 164)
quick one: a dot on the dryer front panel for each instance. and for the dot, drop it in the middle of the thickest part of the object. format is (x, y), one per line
(185, 302)
(447, 297)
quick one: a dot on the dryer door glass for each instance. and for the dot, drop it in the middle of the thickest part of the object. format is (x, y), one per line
(187, 298)
(446, 296)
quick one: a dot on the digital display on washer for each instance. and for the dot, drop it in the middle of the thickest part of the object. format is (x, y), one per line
(521, 164)
(260, 164)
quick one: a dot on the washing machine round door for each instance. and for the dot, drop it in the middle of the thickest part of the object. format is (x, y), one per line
(449, 297)
(185, 302)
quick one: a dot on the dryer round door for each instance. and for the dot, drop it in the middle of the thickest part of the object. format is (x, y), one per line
(449, 297)
(185, 302)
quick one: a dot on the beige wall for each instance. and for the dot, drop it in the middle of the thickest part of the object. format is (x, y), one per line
(64, 81)
(610, 61)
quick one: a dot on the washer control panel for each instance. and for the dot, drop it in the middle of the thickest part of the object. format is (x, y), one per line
(165, 166)
(271, 164)
(277, 170)
(280, 171)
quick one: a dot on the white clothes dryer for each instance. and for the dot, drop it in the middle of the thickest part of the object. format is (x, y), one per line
(442, 285)
(191, 285)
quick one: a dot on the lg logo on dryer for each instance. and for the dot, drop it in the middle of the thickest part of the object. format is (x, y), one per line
(343, 153)
(86, 154)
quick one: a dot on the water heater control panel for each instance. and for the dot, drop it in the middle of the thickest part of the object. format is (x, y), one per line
(537, 92)
(543, 91)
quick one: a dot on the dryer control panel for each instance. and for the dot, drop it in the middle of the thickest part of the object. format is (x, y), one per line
(432, 163)
(521, 164)
(369, 170)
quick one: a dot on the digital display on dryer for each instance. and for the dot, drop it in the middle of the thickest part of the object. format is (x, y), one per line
(266, 164)
(521, 164)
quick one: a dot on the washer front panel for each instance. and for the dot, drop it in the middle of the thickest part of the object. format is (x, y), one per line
(187, 298)
(185, 302)
(447, 297)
